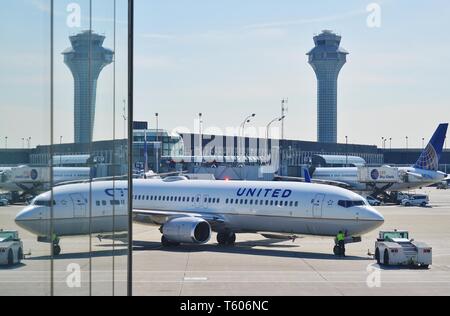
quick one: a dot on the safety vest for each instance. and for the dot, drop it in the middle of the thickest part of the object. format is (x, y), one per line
(340, 237)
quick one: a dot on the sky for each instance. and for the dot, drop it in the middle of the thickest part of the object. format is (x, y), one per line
(229, 59)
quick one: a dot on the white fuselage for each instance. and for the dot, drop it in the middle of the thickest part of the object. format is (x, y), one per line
(279, 207)
(408, 182)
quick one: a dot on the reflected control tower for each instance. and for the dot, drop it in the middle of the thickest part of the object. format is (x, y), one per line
(86, 59)
(327, 59)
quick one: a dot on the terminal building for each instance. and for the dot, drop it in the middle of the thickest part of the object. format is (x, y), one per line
(225, 157)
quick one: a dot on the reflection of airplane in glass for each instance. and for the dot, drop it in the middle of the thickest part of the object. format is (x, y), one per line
(32, 180)
(188, 210)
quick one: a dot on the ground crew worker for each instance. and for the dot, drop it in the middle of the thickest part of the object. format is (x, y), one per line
(341, 243)
(55, 239)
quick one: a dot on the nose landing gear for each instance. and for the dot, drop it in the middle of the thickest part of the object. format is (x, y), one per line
(56, 250)
(56, 246)
(339, 249)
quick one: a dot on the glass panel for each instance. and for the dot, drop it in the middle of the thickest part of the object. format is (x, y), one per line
(109, 256)
(64, 76)
(90, 86)
(74, 118)
(24, 150)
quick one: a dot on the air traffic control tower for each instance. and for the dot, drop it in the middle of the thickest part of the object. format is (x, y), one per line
(327, 59)
(86, 59)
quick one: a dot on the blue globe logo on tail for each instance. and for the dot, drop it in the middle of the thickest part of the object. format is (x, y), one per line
(429, 159)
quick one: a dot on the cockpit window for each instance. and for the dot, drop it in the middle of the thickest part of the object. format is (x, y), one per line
(47, 203)
(348, 204)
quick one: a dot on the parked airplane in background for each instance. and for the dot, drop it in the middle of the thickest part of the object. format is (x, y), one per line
(33, 180)
(188, 211)
(424, 173)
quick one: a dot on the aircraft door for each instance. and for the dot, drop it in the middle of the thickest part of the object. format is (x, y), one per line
(79, 205)
(318, 205)
(198, 201)
(205, 201)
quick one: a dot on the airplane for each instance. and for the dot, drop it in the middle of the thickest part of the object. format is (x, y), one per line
(33, 180)
(423, 173)
(188, 211)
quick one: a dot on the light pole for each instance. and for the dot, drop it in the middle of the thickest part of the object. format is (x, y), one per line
(247, 120)
(60, 150)
(124, 116)
(200, 120)
(284, 110)
(390, 143)
(423, 142)
(346, 151)
(278, 119)
(23, 142)
(6, 142)
(407, 142)
(157, 144)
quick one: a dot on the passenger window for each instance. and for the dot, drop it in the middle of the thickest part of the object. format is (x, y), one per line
(98, 203)
(296, 204)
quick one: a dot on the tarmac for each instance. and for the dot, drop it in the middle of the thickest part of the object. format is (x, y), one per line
(254, 267)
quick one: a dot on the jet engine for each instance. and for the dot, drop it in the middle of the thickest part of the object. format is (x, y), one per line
(187, 230)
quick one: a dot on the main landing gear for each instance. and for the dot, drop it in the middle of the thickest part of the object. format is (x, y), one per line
(226, 238)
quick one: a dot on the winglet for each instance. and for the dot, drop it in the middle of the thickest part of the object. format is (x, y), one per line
(307, 176)
(429, 159)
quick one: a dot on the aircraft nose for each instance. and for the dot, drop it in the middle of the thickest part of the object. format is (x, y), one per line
(375, 216)
(25, 217)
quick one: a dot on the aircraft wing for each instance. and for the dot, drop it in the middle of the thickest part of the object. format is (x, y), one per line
(210, 218)
(317, 181)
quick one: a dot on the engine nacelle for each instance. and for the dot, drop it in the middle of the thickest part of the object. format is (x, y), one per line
(187, 230)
